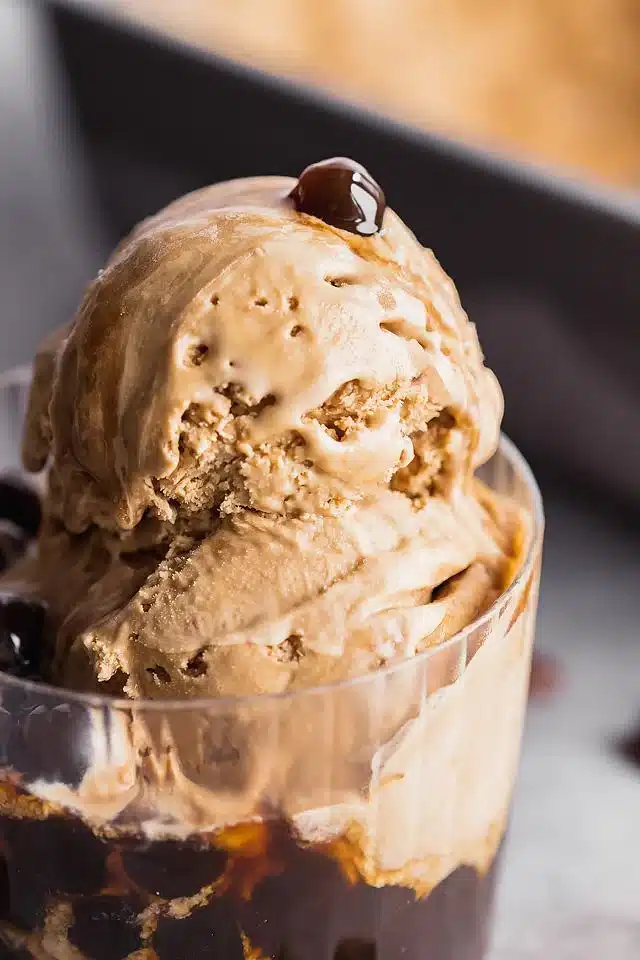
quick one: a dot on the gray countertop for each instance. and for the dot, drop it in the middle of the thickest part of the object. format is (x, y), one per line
(571, 884)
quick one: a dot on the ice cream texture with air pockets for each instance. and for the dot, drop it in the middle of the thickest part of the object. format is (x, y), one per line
(261, 434)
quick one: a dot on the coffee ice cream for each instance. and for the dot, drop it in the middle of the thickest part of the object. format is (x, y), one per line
(260, 434)
(266, 429)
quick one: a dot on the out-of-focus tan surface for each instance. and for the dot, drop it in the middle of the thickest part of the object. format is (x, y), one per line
(555, 80)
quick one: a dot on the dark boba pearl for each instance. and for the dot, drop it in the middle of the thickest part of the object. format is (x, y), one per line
(13, 544)
(56, 747)
(23, 636)
(343, 194)
(169, 869)
(45, 858)
(106, 928)
(312, 910)
(42, 741)
(65, 852)
(20, 504)
(288, 914)
(28, 890)
(211, 931)
(13, 953)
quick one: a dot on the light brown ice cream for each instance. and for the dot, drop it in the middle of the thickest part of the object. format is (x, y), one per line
(235, 353)
(261, 434)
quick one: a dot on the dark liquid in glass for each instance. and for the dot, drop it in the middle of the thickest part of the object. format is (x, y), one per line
(264, 896)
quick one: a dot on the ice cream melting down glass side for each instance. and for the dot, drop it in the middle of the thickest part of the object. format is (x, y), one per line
(260, 435)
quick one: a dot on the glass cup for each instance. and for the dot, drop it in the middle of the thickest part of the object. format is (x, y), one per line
(355, 821)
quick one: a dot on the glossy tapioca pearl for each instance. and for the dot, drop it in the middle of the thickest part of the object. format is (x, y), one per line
(171, 869)
(209, 931)
(24, 636)
(49, 859)
(313, 908)
(50, 743)
(107, 927)
(43, 742)
(342, 193)
(20, 504)
(27, 890)
(13, 544)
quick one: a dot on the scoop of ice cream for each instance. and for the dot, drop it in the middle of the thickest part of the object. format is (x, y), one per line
(235, 353)
(261, 431)
(268, 604)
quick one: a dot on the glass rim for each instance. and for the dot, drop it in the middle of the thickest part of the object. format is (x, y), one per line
(506, 449)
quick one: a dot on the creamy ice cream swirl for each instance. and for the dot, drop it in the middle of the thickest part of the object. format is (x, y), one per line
(261, 432)
(235, 352)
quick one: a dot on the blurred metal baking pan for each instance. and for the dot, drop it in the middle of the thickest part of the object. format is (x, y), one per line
(548, 268)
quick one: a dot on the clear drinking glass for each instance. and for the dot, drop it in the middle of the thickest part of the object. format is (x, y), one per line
(349, 822)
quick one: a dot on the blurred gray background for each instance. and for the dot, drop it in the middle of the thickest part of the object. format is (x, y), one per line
(49, 244)
(571, 887)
